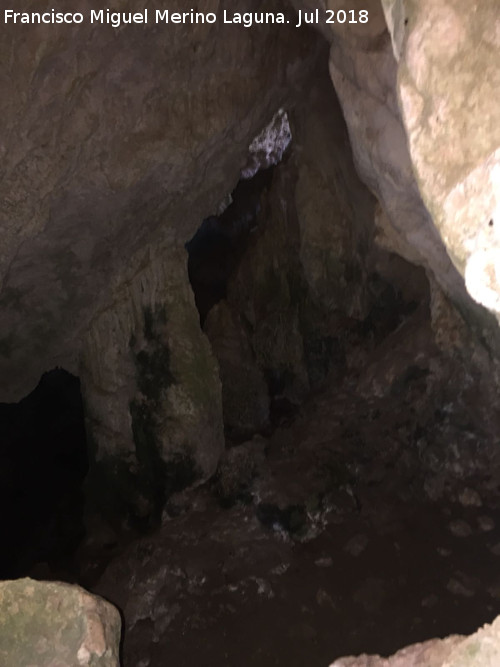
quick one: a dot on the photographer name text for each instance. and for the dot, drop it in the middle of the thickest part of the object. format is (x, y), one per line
(167, 17)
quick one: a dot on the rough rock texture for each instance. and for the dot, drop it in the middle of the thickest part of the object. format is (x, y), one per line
(55, 624)
(112, 154)
(305, 263)
(152, 392)
(245, 396)
(333, 208)
(115, 140)
(481, 648)
(448, 83)
(358, 521)
(359, 524)
(363, 71)
(372, 93)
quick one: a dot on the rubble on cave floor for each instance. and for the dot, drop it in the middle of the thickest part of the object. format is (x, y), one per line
(367, 523)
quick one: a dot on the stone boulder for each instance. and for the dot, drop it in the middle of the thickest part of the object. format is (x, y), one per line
(480, 649)
(51, 624)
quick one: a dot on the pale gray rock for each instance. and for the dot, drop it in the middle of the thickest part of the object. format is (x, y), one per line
(50, 623)
(392, 138)
(364, 70)
(481, 648)
(447, 86)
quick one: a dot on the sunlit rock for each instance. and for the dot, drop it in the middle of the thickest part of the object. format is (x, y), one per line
(448, 83)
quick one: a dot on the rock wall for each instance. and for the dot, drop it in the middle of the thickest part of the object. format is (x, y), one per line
(152, 392)
(383, 108)
(115, 151)
(116, 144)
(447, 87)
(303, 267)
(112, 141)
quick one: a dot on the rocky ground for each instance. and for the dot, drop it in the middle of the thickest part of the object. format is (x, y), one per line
(364, 522)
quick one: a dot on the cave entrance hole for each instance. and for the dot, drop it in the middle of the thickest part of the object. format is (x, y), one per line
(43, 462)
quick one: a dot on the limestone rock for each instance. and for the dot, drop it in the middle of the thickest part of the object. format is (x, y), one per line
(48, 623)
(402, 356)
(116, 144)
(152, 392)
(265, 291)
(114, 141)
(391, 136)
(481, 648)
(333, 208)
(306, 259)
(363, 70)
(448, 81)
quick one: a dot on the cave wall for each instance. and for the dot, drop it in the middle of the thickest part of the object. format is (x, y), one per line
(114, 153)
(117, 144)
(303, 273)
(152, 393)
(379, 99)
(447, 84)
(114, 141)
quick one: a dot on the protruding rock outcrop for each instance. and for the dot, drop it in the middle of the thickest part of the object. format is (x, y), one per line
(423, 125)
(447, 86)
(152, 393)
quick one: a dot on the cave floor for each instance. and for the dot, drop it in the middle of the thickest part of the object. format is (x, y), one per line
(268, 602)
(337, 547)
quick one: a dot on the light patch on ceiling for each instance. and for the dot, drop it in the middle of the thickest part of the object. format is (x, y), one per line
(268, 147)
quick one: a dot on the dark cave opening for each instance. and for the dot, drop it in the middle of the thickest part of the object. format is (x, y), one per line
(43, 454)
(215, 256)
(218, 245)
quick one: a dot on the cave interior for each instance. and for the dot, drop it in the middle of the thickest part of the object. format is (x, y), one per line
(353, 504)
